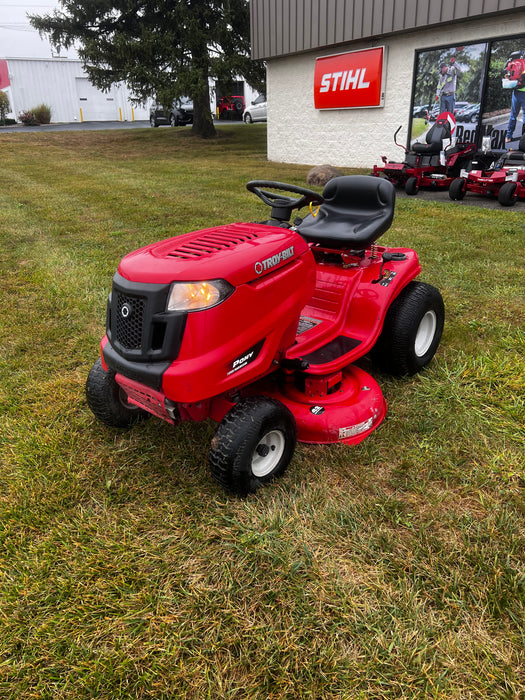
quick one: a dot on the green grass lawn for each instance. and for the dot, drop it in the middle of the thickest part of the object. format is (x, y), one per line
(394, 569)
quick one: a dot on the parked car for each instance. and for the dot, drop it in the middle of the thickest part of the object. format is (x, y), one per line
(180, 113)
(419, 111)
(469, 114)
(460, 106)
(436, 109)
(230, 107)
(257, 111)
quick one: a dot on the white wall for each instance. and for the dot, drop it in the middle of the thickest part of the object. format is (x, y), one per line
(298, 133)
(63, 85)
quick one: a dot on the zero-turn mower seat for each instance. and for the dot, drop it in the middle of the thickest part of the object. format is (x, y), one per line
(434, 138)
(357, 209)
(516, 158)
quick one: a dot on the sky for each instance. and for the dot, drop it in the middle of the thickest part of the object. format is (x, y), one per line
(18, 39)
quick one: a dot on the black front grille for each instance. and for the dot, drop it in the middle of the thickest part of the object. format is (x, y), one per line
(138, 326)
(129, 318)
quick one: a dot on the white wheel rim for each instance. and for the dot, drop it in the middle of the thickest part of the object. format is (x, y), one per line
(425, 333)
(268, 453)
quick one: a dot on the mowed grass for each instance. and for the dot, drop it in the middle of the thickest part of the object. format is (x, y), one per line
(394, 569)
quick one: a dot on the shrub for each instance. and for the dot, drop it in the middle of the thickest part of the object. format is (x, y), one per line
(35, 116)
(42, 113)
(4, 106)
(28, 118)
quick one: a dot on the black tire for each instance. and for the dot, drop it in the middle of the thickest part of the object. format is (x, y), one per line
(153, 121)
(248, 118)
(457, 188)
(506, 194)
(108, 401)
(412, 186)
(253, 445)
(238, 105)
(412, 330)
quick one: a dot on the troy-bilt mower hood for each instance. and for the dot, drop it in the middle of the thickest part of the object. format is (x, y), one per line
(238, 253)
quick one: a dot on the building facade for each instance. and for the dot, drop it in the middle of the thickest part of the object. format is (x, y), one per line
(316, 51)
(62, 84)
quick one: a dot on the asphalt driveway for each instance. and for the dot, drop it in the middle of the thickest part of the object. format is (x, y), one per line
(92, 126)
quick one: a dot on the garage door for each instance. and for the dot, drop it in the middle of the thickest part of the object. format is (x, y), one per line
(96, 106)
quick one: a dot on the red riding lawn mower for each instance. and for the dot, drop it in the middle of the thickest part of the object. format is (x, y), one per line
(434, 163)
(231, 108)
(505, 179)
(256, 325)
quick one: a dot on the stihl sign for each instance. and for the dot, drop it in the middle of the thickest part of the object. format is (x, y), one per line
(347, 80)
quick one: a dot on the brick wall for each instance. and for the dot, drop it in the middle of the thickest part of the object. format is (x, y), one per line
(298, 133)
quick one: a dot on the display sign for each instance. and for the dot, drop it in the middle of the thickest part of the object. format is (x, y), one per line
(482, 84)
(349, 80)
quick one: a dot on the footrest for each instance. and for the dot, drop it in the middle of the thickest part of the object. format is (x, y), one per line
(333, 350)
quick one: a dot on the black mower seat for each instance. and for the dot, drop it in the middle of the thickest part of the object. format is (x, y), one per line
(516, 157)
(357, 209)
(434, 138)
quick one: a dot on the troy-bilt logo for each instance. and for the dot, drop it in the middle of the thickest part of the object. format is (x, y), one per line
(267, 264)
(346, 80)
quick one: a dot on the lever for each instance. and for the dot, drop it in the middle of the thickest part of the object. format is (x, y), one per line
(388, 257)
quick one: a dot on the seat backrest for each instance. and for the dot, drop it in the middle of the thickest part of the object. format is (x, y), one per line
(440, 130)
(516, 156)
(357, 209)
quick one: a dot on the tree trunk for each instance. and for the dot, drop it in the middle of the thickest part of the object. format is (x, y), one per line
(202, 119)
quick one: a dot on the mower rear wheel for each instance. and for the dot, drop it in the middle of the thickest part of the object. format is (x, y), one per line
(108, 401)
(253, 445)
(457, 188)
(412, 186)
(412, 330)
(506, 194)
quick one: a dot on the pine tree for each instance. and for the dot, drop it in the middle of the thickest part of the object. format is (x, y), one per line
(166, 48)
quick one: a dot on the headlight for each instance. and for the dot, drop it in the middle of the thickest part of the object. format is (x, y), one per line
(195, 296)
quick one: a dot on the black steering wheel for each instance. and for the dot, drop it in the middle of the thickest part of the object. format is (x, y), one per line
(273, 199)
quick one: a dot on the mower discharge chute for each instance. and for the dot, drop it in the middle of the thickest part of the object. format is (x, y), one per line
(434, 163)
(504, 179)
(257, 326)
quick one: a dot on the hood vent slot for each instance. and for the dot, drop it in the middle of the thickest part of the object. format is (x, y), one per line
(210, 243)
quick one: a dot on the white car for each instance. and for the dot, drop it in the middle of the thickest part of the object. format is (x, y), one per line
(257, 111)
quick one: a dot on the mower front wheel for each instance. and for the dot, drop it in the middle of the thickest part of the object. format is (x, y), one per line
(457, 188)
(412, 186)
(253, 445)
(506, 194)
(108, 401)
(412, 330)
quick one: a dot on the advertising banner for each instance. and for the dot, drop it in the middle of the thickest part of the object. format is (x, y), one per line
(349, 80)
(482, 85)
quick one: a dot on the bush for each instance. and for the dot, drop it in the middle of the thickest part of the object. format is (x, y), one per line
(28, 118)
(35, 116)
(42, 114)
(4, 106)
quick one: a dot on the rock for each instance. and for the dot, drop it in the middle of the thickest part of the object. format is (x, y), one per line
(321, 174)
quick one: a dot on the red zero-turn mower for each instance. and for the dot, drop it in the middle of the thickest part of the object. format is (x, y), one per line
(504, 179)
(256, 325)
(434, 163)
